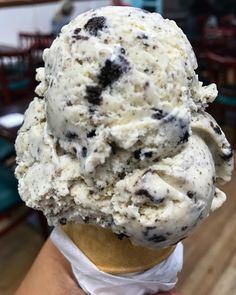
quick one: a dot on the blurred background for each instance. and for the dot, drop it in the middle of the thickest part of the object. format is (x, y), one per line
(26, 29)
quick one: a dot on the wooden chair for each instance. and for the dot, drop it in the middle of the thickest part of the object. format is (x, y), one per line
(212, 39)
(16, 75)
(12, 210)
(222, 71)
(119, 3)
(219, 36)
(227, 20)
(36, 43)
(220, 39)
(27, 40)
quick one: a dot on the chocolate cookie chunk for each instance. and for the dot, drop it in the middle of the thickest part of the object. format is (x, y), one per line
(93, 94)
(112, 71)
(95, 24)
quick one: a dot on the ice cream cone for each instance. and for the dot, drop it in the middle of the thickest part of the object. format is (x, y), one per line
(111, 254)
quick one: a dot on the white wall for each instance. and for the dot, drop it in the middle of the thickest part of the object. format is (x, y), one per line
(33, 18)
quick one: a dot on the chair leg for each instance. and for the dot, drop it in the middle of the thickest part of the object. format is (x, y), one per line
(43, 224)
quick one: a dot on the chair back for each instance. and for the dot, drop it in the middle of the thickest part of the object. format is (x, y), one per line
(16, 74)
(219, 36)
(36, 43)
(227, 20)
(29, 40)
(222, 71)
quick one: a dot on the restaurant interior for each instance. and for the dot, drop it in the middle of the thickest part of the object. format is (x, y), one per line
(26, 29)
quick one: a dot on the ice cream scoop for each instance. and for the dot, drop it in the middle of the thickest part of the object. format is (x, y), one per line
(119, 136)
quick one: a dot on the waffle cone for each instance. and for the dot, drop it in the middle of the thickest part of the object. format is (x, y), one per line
(113, 255)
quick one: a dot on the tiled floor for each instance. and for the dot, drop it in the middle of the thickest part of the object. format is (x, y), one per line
(17, 251)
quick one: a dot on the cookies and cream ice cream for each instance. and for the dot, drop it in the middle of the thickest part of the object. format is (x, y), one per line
(118, 135)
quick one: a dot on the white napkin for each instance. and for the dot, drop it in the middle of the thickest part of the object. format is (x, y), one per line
(162, 277)
(11, 120)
